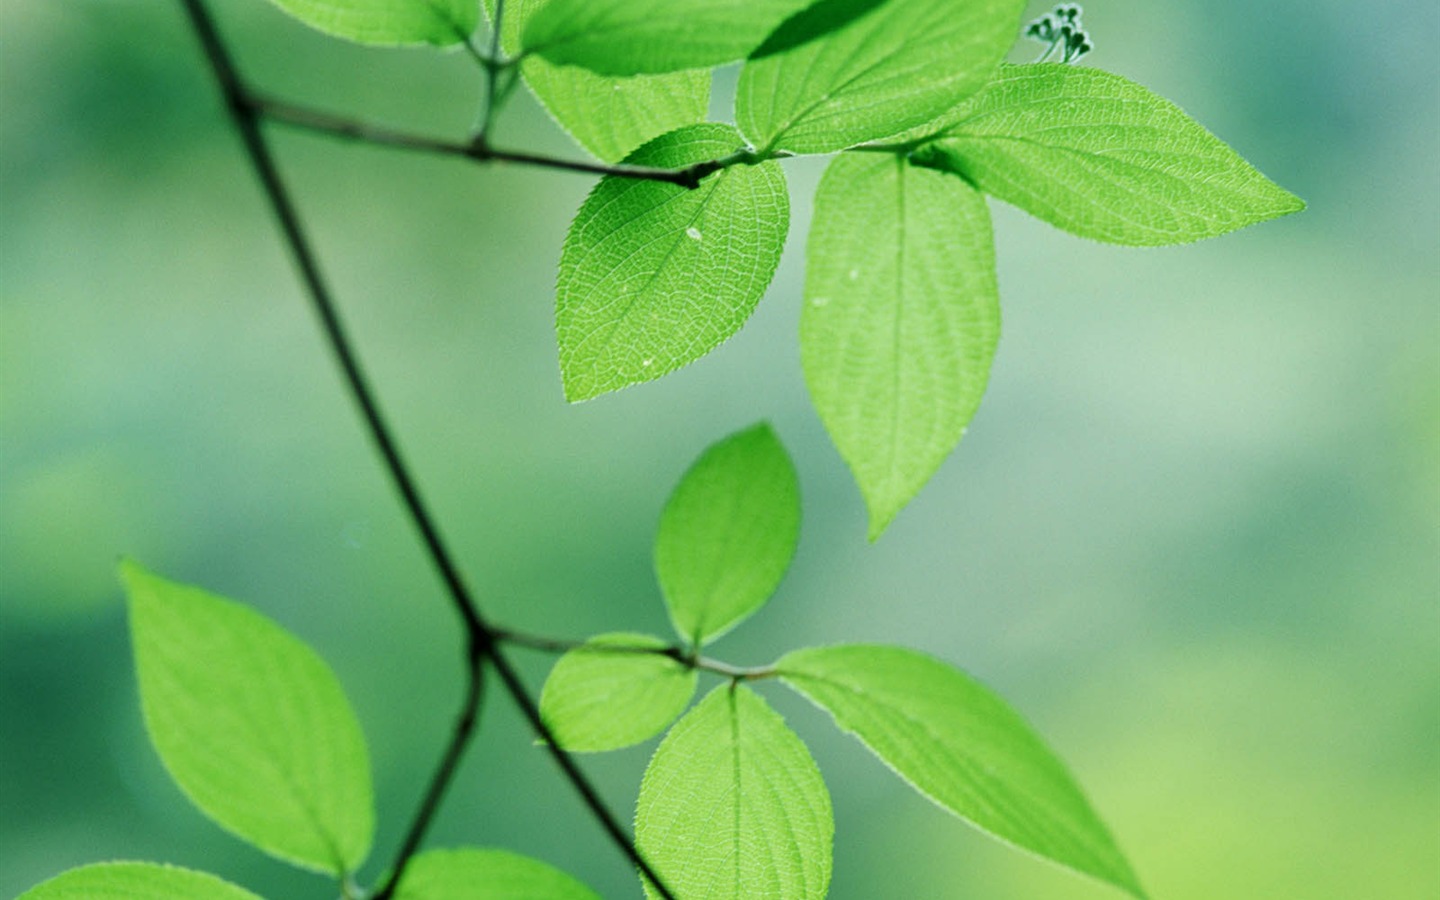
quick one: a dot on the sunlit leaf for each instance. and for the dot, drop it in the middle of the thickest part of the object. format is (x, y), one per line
(440, 22)
(1104, 158)
(631, 37)
(728, 533)
(607, 116)
(471, 873)
(732, 806)
(901, 320)
(599, 697)
(893, 65)
(133, 881)
(251, 723)
(959, 744)
(653, 275)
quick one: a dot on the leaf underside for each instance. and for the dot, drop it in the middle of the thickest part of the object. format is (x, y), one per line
(728, 533)
(251, 724)
(598, 697)
(1104, 158)
(891, 66)
(654, 276)
(959, 744)
(134, 880)
(901, 320)
(633, 37)
(607, 116)
(389, 22)
(472, 873)
(732, 806)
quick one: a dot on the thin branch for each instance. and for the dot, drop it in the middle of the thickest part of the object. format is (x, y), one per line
(246, 118)
(537, 642)
(566, 761)
(467, 43)
(688, 177)
(682, 655)
(449, 764)
(474, 150)
(351, 129)
(246, 115)
(735, 673)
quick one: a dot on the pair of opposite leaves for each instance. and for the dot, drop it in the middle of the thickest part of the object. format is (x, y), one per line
(732, 804)
(256, 730)
(901, 315)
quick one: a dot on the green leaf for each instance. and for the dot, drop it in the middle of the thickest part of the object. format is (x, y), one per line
(599, 697)
(131, 880)
(633, 37)
(654, 276)
(470, 873)
(891, 67)
(607, 116)
(728, 533)
(732, 806)
(960, 745)
(389, 22)
(251, 723)
(1104, 158)
(900, 322)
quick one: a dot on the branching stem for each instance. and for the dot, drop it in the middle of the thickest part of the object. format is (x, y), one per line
(246, 114)
(477, 149)
(683, 655)
(465, 724)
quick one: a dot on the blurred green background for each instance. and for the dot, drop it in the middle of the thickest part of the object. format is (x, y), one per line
(1194, 532)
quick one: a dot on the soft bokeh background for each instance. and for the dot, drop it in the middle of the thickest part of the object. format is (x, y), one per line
(1194, 533)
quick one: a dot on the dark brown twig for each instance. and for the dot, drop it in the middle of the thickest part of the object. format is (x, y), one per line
(475, 150)
(245, 112)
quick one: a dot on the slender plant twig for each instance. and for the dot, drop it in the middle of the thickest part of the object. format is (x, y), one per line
(481, 644)
(681, 655)
(734, 673)
(440, 781)
(538, 642)
(475, 150)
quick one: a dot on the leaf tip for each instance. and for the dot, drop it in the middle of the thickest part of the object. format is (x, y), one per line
(882, 511)
(1129, 882)
(761, 431)
(128, 569)
(134, 578)
(877, 528)
(577, 388)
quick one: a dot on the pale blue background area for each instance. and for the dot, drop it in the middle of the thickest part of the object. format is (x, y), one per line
(1194, 533)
